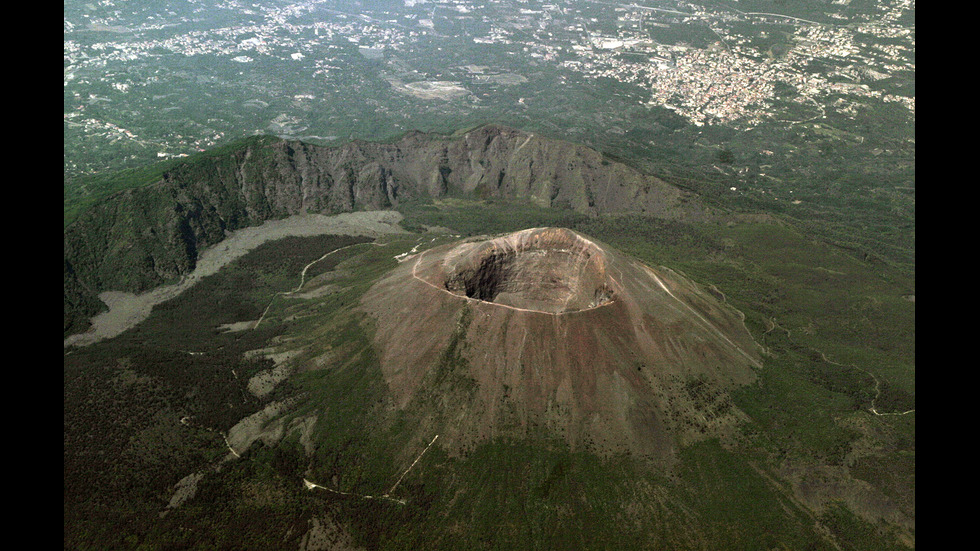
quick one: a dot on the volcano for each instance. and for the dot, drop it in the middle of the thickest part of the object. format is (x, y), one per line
(548, 332)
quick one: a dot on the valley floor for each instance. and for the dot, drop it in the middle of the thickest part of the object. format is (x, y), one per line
(128, 309)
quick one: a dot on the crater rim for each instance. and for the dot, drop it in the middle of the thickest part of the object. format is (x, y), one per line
(547, 270)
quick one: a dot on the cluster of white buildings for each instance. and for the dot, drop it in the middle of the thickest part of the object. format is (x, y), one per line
(732, 81)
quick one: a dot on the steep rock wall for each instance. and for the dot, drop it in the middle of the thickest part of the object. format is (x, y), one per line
(141, 238)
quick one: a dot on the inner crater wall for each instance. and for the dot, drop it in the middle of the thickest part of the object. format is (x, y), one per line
(552, 270)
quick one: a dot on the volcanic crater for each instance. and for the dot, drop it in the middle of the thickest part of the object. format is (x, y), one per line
(551, 271)
(547, 331)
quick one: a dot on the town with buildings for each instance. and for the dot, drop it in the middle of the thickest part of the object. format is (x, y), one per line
(710, 65)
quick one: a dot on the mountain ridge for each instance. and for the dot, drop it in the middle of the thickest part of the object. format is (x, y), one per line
(143, 237)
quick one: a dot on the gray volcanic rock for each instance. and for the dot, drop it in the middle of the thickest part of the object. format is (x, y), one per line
(141, 238)
(548, 330)
(549, 271)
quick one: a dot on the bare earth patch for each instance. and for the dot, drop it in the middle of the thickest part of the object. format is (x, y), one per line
(548, 328)
(128, 309)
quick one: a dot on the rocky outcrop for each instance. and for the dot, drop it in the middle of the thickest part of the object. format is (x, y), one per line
(554, 271)
(141, 238)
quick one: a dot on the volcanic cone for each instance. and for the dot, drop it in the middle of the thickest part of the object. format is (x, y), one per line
(547, 332)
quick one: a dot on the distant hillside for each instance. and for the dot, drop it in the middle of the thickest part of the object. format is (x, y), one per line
(141, 237)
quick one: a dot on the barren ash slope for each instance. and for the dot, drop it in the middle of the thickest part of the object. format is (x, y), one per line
(547, 328)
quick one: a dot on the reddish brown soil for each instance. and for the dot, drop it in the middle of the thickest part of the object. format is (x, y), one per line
(546, 329)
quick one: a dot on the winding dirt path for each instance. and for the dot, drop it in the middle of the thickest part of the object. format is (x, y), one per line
(302, 279)
(128, 309)
(873, 409)
(399, 481)
(387, 495)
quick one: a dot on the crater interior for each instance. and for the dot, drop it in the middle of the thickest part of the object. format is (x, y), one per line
(549, 270)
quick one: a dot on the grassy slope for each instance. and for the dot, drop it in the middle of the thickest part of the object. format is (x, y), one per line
(86, 191)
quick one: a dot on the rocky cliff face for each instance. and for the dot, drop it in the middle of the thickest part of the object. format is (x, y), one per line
(143, 237)
(552, 271)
